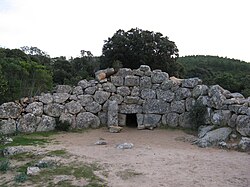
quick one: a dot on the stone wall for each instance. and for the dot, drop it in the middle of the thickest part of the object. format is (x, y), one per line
(153, 96)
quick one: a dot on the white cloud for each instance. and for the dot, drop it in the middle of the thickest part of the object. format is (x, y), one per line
(64, 27)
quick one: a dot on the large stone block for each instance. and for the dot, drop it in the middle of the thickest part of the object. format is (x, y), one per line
(69, 118)
(144, 68)
(200, 90)
(155, 106)
(63, 89)
(170, 119)
(131, 80)
(93, 107)
(90, 90)
(130, 109)
(123, 90)
(123, 72)
(135, 91)
(10, 110)
(148, 94)
(101, 96)
(178, 106)
(112, 113)
(185, 120)
(78, 90)
(191, 83)
(118, 98)
(151, 120)
(243, 125)
(117, 80)
(84, 84)
(86, 120)
(131, 99)
(85, 99)
(109, 87)
(53, 109)
(60, 97)
(145, 82)
(165, 95)
(28, 123)
(182, 93)
(158, 77)
(35, 108)
(221, 117)
(73, 107)
(46, 98)
(47, 123)
(7, 126)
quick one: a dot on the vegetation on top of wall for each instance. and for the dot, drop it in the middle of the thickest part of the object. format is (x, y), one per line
(231, 74)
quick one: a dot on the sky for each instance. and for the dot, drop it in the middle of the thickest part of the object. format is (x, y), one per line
(64, 27)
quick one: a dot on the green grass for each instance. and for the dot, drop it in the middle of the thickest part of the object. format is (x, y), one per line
(57, 153)
(4, 165)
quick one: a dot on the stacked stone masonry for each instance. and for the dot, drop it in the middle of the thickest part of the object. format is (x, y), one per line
(155, 98)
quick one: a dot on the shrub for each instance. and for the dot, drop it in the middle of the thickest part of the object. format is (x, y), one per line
(20, 178)
(4, 165)
(197, 115)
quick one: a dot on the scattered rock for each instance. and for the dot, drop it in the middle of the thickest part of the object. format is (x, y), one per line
(33, 170)
(125, 146)
(244, 144)
(9, 151)
(5, 140)
(115, 129)
(101, 142)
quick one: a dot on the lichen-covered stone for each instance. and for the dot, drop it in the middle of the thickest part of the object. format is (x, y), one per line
(191, 82)
(158, 77)
(7, 126)
(122, 120)
(130, 109)
(46, 98)
(93, 107)
(10, 110)
(35, 108)
(135, 91)
(60, 97)
(185, 120)
(28, 123)
(90, 90)
(182, 93)
(151, 121)
(144, 68)
(189, 103)
(221, 117)
(63, 89)
(123, 72)
(234, 108)
(131, 99)
(73, 107)
(204, 100)
(199, 90)
(109, 87)
(47, 123)
(145, 82)
(178, 106)
(123, 90)
(131, 80)
(78, 90)
(243, 125)
(68, 118)
(244, 144)
(165, 95)
(117, 80)
(101, 96)
(53, 109)
(148, 94)
(232, 121)
(84, 84)
(112, 113)
(103, 116)
(86, 120)
(85, 99)
(118, 98)
(170, 119)
(155, 106)
(140, 124)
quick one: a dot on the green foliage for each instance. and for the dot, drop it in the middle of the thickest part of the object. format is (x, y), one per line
(231, 74)
(21, 177)
(197, 115)
(57, 153)
(4, 165)
(137, 46)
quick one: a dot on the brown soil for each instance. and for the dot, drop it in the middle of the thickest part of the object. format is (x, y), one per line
(158, 158)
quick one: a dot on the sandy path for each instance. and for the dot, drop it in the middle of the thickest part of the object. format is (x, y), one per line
(158, 159)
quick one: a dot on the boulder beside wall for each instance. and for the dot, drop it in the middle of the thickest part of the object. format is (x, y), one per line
(10, 110)
(87, 119)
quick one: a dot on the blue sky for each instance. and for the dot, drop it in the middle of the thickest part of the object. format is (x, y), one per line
(64, 27)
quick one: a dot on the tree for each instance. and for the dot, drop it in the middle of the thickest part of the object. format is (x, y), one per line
(137, 46)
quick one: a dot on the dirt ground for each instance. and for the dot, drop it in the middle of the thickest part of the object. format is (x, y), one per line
(158, 158)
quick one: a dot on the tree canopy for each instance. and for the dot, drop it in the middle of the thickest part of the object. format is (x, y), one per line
(137, 46)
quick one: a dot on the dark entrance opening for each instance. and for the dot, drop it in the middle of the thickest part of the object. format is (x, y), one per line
(131, 120)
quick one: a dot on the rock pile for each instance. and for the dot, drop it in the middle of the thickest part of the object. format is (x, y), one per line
(155, 98)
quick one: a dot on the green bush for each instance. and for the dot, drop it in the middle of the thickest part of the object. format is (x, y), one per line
(20, 178)
(4, 165)
(197, 115)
